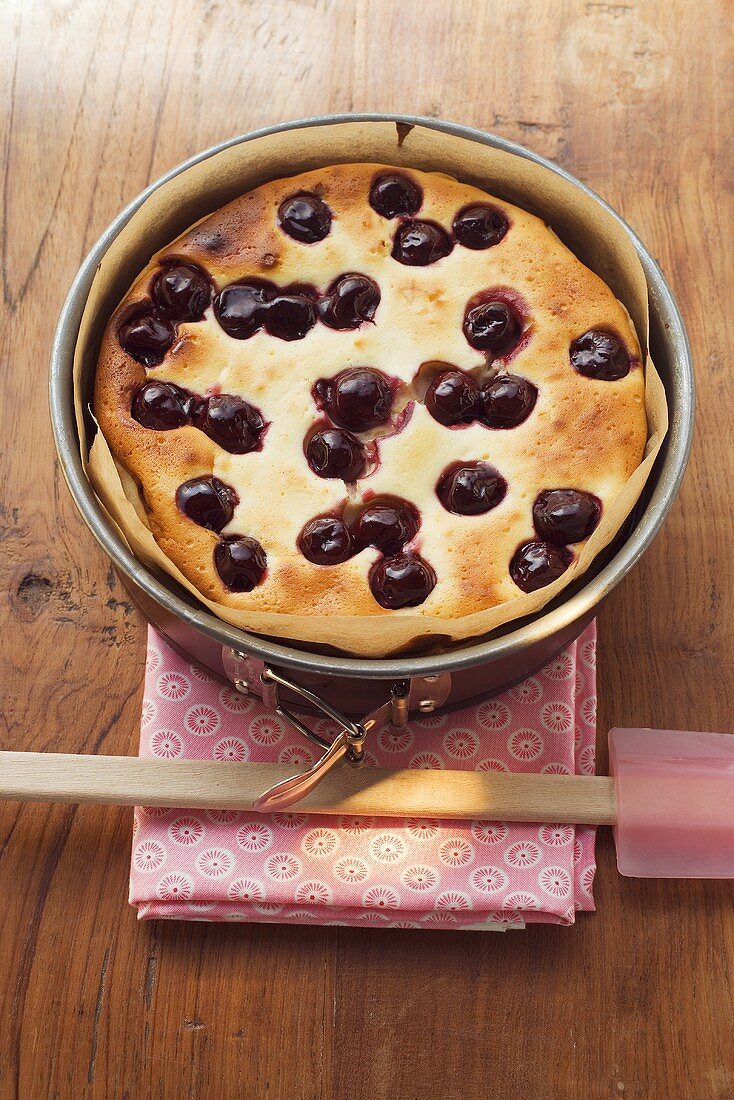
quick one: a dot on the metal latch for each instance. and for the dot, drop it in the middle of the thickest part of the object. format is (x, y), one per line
(423, 693)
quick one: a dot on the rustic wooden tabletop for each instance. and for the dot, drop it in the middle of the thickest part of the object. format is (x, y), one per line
(98, 98)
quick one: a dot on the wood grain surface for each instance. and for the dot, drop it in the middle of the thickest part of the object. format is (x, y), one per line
(97, 98)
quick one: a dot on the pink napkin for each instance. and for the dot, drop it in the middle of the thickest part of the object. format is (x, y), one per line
(296, 868)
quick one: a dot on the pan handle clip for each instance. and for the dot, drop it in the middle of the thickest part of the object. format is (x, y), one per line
(348, 744)
(250, 675)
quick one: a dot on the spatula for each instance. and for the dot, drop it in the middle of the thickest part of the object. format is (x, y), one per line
(670, 797)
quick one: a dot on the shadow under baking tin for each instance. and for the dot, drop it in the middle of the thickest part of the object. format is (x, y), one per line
(479, 667)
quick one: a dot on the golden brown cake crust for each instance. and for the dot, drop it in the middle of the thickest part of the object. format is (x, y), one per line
(583, 433)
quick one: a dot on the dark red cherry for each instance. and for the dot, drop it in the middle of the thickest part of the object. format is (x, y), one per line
(161, 406)
(418, 244)
(241, 308)
(290, 316)
(536, 564)
(326, 540)
(305, 217)
(349, 301)
(393, 194)
(565, 515)
(182, 292)
(146, 336)
(387, 525)
(470, 488)
(402, 581)
(492, 326)
(358, 398)
(207, 501)
(480, 226)
(332, 452)
(507, 400)
(453, 398)
(231, 422)
(240, 561)
(600, 355)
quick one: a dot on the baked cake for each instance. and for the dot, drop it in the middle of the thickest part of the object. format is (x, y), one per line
(372, 391)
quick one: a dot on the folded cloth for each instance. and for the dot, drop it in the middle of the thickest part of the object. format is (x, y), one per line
(297, 868)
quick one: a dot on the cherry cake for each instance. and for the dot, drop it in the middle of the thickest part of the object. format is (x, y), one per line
(371, 391)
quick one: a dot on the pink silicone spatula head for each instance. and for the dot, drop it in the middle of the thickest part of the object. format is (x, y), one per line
(675, 803)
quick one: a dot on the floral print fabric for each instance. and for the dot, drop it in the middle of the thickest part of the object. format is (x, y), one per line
(298, 868)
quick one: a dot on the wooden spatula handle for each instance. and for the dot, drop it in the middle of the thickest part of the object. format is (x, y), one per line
(378, 792)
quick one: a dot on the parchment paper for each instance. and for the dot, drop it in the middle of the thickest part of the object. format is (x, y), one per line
(592, 233)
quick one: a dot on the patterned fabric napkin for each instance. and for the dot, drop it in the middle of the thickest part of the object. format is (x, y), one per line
(297, 868)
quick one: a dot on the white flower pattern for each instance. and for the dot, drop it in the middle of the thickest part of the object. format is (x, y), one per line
(588, 710)
(231, 748)
(525, 744)
(202, 720)
(489, 832)
(223, 817)
(557, 717)
(173, 685)
(246, 889)
(419, 877)
(314, 893)
(290, 821)
(175, 886)
(393, 739)
(555, 767)
(555, 881)
(266, 730)
(587, 879)
(422, 828)
(372, 916)
(521, 899)
(555, 836)
(214, 862)
(494, 715)
(186, 831)
(148, 713)
(560, 668)
(351, 869)
(523, 854)
(356, 825)
(387, 848)
(489, 880)
(461, 744)
(430, 721)
(320, 843)
(455, 852)
(297, 755)
(282, 867)
(234, 701)
(587, 759)
(381, 897)
(453, 900)
(254, 837)
(492, 765)
(429, 761)
(152, 659)
(441, 917)
(166, 744)
(528, 691)
(588, 653)
(148, 856)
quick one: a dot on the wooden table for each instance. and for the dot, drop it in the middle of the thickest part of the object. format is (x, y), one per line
(101, 97)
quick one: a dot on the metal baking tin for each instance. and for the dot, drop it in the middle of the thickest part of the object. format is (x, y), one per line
(355, 685)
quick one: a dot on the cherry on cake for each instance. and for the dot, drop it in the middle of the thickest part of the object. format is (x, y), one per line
(372, 391)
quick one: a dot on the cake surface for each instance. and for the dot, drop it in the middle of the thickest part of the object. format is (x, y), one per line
(372, 391)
